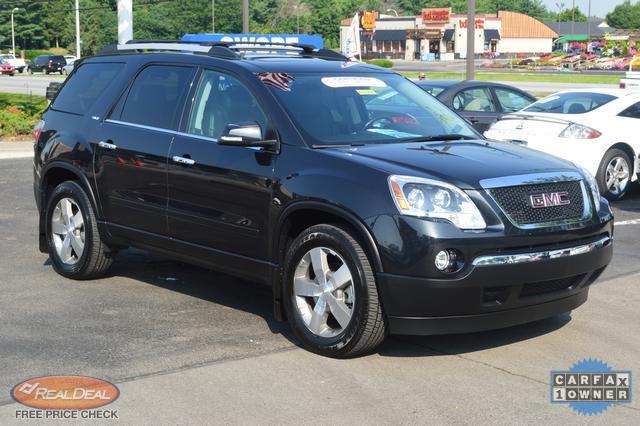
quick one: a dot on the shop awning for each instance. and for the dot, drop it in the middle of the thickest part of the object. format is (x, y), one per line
(390, 35)
(491, 35)
(569, 38)
(448, 35)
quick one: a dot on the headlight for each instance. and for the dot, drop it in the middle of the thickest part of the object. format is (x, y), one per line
(593, 185)
(430, 198)
(578, 131)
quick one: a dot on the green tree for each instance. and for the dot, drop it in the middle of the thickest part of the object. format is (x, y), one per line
(568, 15)
(626, 16)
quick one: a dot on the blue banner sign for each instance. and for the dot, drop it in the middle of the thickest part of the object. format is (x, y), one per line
(313, 40)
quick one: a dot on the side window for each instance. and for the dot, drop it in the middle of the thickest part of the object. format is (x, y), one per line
(84, 87)
(222, 100)
(632, 112)
(511, 101)
(474, 100)
(156, 96)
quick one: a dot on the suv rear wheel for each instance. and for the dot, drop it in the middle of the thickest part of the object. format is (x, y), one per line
(75, 247)
(330, 293)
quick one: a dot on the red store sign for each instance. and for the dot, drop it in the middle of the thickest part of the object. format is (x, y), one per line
(436, 16)
(479, 23)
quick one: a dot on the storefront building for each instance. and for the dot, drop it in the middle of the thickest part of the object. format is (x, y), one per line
(438, 34)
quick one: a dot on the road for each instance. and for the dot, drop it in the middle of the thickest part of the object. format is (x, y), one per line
(35, 85)
(187, 345)
(460, 66)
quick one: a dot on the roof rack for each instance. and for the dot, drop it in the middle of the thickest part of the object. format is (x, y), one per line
(221, 49)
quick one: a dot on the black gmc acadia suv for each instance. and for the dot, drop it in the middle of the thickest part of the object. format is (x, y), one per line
(268, 162)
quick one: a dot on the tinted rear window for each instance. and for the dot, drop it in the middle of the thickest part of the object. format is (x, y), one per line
(84, 87)
(570, 103)
(156, 96)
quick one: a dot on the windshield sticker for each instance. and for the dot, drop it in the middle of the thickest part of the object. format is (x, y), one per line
(338, 82)
(279, 80)
(393, 133)
(365, 92)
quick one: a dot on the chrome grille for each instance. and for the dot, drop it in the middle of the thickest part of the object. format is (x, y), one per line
(515, 202)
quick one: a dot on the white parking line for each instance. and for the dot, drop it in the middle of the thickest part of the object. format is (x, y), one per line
(628, 222)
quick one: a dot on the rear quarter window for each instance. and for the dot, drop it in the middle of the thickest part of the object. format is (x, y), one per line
(85, 86)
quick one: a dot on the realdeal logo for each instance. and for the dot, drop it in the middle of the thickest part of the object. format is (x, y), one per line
(65, 393)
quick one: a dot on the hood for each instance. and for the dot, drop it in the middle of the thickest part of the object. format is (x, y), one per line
(462, 163)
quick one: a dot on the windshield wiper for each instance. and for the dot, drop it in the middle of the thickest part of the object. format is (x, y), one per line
(335, 145)
(446, 137)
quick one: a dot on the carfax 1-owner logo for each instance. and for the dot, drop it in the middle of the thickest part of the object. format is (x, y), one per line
(590, 387)
(65, 397)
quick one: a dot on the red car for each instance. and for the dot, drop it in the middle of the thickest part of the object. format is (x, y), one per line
(7, 68)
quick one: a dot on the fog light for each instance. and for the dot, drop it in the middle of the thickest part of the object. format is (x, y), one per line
(444, 260)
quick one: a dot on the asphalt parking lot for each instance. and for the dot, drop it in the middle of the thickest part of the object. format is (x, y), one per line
(189, 345)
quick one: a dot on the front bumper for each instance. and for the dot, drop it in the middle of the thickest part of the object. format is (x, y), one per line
(499, 291)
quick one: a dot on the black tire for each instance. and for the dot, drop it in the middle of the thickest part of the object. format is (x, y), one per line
(602, 174)
(96, 257)
(367, 327)
(30, 71)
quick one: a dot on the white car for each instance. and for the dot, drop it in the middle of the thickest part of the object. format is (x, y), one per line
(18, 63)
(597, 129)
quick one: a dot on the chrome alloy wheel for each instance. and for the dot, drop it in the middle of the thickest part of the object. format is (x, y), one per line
(323, 292)
(617, 176)
(67, 231)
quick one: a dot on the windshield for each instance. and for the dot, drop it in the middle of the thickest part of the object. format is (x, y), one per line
(570, 103)
(363, 109)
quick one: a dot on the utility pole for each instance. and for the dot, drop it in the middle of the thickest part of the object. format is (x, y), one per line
(213, 16)
(78, 53)
(573, 18)
(125, 21)
(471, 33)
(245, 16)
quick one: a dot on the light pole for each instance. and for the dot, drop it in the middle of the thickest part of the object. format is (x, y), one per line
(245, 16)
(471, 34)
(213, 16)
(560, 6)
(77, 29)
(13, 36)
(394, 11)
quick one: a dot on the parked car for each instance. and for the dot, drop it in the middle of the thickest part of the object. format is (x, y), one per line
(7, 68)
(266, 162)
(67, 69)
(69, 58)
(594, 128)
(47, 64)
(480, 102)
(18, 63)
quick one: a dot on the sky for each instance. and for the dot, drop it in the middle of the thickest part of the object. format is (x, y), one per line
(598, 7)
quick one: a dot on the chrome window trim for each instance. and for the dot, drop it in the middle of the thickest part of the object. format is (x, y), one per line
(510, 259)
(538, 179)
(140, 126)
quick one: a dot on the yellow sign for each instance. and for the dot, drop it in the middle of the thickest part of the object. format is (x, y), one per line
(368, 20)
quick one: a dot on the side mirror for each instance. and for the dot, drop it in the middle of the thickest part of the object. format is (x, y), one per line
(52, 90)
(248, 134)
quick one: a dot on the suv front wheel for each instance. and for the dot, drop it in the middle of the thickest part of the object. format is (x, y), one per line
(330, 293)
(75, 247)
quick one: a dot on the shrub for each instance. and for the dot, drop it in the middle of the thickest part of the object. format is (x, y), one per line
(384, 63)
(19, 113)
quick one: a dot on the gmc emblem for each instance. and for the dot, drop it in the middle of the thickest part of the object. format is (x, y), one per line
(550, 199)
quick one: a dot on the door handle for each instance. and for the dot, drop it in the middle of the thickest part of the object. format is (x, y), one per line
(183, 160)
(107, 145)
